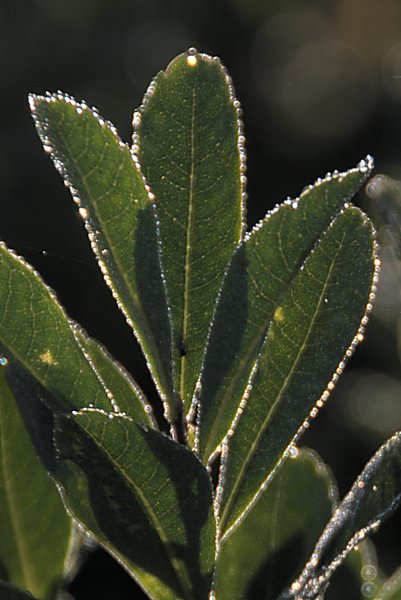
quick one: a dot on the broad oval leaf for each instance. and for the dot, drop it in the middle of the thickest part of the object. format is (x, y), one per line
(36, 333)
(106, 182)
(35, 531)
(311, 331)
(262, 555)
(261, 272)
(374, 496)
(146, 498)
(190, 146)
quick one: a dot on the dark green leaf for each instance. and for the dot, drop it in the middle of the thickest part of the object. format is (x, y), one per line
(35, 531)
(262, 271)
(122, 390)
(10, 592)
(36, 333)
(373, 497)
(311, 331)
(270, 546)
(107, 184)
(190, 149)
(144, 497)
(357, 577)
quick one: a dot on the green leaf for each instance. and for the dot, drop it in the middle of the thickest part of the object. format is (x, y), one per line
(124, 393)
(10, 592)
(36, 334)
(106, 182)
(357, 576)
(144, 497)
(262, 271)
(311, 331)
(35, 531)
(189, 143)
(267, 550)
(391, 588)
(374, 496)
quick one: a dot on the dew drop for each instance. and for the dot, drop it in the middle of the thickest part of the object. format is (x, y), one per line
(192, 61)
(3, 361)
(137, 118)
(361, 484)
(368, 589)
(293, 452)
(83, 212)
(369, 572)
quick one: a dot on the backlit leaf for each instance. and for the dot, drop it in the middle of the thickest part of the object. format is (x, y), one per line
(374, 496)
(314, 326)
(262, 271)
(119, 216)
(189, 144)
(36, 333)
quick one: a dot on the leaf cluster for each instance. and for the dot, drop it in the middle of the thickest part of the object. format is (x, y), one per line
(245, 334)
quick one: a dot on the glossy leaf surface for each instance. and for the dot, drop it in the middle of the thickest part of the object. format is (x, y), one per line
(119, 217)
(261, 273)
(309, 335)
(373, 497)
(261, 556)
(187, 139)
(35, 531)
(147, 498)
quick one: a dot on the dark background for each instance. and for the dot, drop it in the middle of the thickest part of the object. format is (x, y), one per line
(320, 85)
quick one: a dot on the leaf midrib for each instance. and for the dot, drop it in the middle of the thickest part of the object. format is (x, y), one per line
(188, 247)
(115, 257)
(254, 446)
(181, 573)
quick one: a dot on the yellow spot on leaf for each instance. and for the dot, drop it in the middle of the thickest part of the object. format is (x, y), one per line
(48, 359)
(279, 314)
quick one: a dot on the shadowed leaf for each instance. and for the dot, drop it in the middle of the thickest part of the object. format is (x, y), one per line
(262, 555)
(35, 531)
(144, 497)
(10, 592)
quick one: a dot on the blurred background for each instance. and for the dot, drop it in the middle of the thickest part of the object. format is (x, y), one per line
(320, 85)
